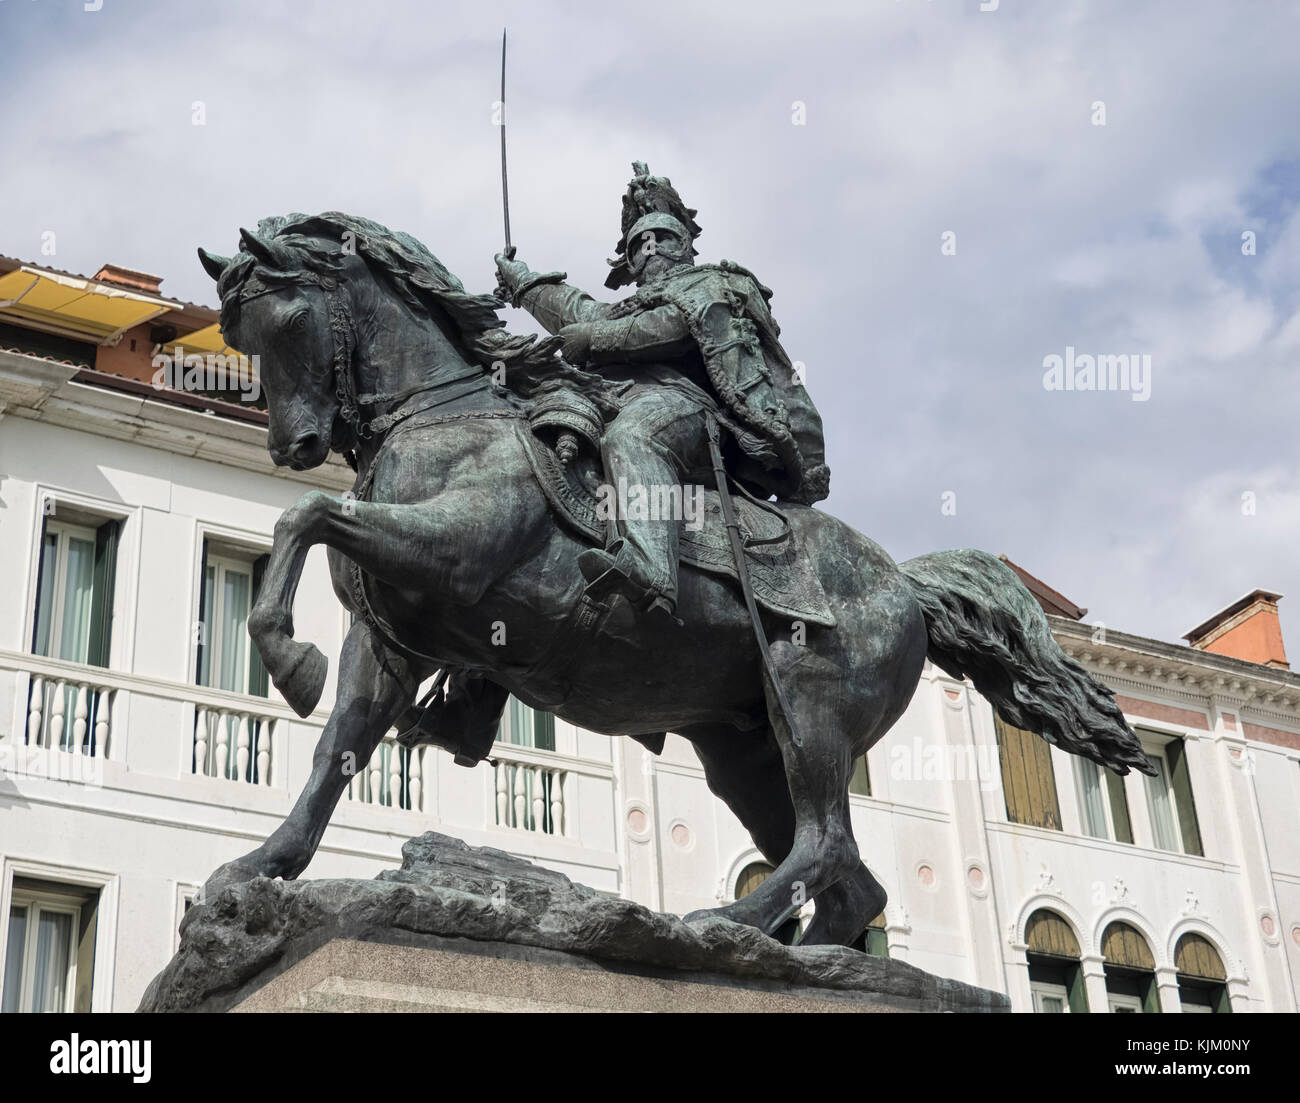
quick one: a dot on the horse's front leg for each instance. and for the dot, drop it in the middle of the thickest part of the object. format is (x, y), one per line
(375, 685)
(297, 669)
(441, 548)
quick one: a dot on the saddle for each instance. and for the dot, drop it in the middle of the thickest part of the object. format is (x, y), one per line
(559, 425)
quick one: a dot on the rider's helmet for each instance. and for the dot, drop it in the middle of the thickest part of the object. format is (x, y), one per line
(656, 234)
(646, 196)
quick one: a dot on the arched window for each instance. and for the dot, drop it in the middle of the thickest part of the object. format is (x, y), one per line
(1202, 979)
(1130, 971)
(1055, 977)
(751, 877)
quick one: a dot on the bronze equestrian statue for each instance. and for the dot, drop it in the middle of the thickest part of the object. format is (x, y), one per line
(470, 546)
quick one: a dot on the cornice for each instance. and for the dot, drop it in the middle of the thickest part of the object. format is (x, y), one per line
(43, 390)
(1176, 673)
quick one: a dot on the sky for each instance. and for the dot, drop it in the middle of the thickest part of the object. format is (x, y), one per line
(942, 197)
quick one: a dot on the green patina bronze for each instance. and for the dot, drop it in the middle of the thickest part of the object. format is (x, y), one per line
(471, 544)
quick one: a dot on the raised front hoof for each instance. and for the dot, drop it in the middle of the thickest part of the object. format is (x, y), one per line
(304, 682)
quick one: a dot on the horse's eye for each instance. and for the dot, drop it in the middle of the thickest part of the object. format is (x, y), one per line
(299, 320)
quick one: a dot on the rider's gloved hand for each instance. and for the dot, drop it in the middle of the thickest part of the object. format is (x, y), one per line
(577, 342)
(510, 272)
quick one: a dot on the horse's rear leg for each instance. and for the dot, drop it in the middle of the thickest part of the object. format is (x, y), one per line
(745, 771)
(822, 851)
(375, 685)
(845, 910)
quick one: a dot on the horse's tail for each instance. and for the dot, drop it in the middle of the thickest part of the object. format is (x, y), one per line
(984, 624)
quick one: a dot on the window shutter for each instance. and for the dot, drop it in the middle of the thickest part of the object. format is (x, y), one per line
(1027, 779)
(202, 628)
(101, 600)
(40, 620)
(1182, 786)
(1118, 807)
(257, 676)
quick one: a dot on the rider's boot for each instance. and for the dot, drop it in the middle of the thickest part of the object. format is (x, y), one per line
(616, 570)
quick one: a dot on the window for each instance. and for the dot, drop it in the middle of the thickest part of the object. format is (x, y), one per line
(1103, 806)
(1027, 779)
(1202, 979)
(860, 782)
(1174, 824)
(1130, 971)
(526, 727)
(49, 947)
(877, 941)
(227, 658)
(1055, 975)
(74, 591)
(1050, 999)
(751, 877)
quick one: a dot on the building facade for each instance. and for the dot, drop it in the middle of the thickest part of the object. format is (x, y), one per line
(141, 747)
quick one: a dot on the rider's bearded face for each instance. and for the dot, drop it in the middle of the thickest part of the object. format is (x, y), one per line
(658, 251)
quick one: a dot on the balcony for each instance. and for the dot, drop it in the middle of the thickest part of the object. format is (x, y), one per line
(236, 754)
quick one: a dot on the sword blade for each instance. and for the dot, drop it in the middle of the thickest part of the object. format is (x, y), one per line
(505, 187)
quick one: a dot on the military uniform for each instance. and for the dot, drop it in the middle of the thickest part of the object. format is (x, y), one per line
(694, 342)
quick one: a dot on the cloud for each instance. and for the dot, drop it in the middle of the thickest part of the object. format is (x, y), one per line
(921, 118)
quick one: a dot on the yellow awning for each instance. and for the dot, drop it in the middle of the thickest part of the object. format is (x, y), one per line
(83, 308)
(208, 339)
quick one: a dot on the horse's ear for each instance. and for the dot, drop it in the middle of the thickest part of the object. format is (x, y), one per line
(266, 250)
(213, 265)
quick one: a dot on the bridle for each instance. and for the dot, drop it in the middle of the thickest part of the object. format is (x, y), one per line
(343, 332)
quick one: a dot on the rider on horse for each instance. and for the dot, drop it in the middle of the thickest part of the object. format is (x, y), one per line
(693, 342)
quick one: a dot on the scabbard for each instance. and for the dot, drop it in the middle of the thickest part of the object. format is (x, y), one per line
(742, 572)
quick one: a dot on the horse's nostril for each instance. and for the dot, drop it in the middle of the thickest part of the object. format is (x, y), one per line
(305, 445)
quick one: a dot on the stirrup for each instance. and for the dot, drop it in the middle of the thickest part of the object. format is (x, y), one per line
(605, 576)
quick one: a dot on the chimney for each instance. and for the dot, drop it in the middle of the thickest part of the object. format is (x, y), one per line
(129, 278)
(1247, 629)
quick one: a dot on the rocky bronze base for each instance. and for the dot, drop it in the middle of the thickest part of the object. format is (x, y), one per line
(461, 928)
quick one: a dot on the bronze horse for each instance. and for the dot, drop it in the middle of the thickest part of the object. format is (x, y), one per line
(370, 347)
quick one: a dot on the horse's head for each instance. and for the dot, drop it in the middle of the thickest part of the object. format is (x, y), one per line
(333, 305)
(276, 305)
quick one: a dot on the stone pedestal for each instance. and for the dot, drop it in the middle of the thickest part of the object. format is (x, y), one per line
(348, 976)
(460, 928)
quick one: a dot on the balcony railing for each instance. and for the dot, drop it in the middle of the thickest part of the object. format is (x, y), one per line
(69, 714)
(393, 778)
(529, 794)
(78, 709)
(163, 728)
(233, 744)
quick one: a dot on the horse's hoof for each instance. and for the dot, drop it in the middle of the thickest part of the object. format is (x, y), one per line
(232, 873)
(303, 685)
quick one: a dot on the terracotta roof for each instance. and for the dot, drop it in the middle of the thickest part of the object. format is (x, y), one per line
(47, 359)
(1051, 600)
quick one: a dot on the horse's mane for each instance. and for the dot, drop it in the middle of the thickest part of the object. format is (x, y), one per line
(420, 279)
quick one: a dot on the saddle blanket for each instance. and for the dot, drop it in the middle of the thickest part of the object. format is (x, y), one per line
(779, 572)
